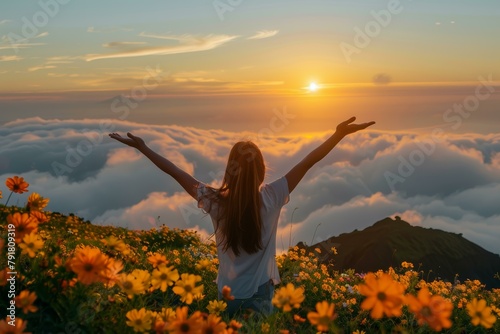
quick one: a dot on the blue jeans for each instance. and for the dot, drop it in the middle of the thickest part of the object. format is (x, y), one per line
(260, 302)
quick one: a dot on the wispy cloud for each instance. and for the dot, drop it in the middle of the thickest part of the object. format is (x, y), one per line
(11, 43)
(264, 34)
(43, 34)
(187, 43)
(106, 30)
(4, 22)
(41, 67)
(122, 44)
(61, 60)
(10, 58)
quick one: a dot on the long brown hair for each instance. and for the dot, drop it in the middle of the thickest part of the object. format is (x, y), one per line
(239, 199)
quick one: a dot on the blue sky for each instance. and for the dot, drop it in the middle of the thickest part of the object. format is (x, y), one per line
(193, 81)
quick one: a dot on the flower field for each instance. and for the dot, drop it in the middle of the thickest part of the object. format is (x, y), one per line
(65, 275)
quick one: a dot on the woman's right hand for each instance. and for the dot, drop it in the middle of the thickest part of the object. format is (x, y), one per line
(132, 141)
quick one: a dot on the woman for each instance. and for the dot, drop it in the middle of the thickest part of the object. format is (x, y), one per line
(245, 214)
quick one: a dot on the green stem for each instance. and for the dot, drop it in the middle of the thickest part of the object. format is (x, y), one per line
(8, 198)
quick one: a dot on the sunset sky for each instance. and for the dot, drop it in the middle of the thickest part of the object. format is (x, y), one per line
(193, 77)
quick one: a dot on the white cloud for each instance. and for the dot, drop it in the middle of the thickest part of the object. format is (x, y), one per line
(10, 58)
(41, 67)
(456, 188)
(106, 30)
(186, 44)
(264, 34)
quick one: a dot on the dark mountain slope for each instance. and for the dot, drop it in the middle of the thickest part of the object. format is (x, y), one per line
(389, 242)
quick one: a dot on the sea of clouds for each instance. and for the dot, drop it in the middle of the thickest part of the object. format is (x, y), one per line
(434, 179)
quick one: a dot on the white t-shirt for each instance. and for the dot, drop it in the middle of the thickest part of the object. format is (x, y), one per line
(246, 272)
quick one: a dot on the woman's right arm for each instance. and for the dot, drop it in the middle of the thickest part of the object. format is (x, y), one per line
(188, 182)
(296, 174)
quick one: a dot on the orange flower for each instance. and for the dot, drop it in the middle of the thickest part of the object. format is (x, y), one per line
(213, 324)
(383, 296)
(157, 259)
(17, 184)
(110, 276)
(434, 311)
(183, 324)
(37, 202)
(25, 301)
(39, 216)
(226, 293)
(90, 265)
(298, 318)
(323, 317)
(235, 325)
(18, 328)
(23, 223)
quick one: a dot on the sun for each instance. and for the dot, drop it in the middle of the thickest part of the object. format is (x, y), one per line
(313, 87)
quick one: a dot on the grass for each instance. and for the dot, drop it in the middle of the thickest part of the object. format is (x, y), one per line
(66, 305)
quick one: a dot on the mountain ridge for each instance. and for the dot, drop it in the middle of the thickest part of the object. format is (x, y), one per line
(389, 242)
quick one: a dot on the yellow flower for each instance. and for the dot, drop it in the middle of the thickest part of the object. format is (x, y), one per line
(163, 277)
(25, 301)
(434, 311)
(216, 306)
(142, 276)
(288, 296)
(480, 313)
(383, 296)
(265, 328)
(167, 314)
(203, 264)
(405, 264)
(323, 317)
(130, 285)
(116, 244)
(37, 202)
(187, 289)
(31, 244)
(140, 321)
